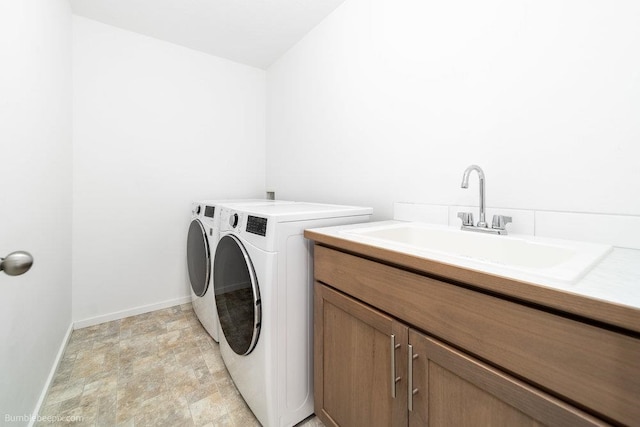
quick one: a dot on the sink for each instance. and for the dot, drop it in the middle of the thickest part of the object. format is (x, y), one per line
(528, 258)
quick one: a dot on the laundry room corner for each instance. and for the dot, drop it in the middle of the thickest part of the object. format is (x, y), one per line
(155, 126)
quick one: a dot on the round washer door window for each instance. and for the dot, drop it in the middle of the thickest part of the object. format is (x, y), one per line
(237, 295)
(198, 258)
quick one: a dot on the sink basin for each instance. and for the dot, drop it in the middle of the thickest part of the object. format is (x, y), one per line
(520, 257)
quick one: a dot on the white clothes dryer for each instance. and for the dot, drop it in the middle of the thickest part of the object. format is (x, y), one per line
(199, 257)
(202, 240)
(263, 277)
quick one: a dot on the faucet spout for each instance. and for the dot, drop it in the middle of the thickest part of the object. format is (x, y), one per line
(465, 184)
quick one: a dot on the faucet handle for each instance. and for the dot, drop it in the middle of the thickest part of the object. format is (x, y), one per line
(466, 217)
(500, 222)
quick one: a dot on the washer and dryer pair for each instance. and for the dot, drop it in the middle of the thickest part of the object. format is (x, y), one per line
(263, 283)
(202, 240)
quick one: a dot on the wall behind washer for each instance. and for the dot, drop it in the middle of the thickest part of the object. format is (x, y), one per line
(391, 101)
(155, 126)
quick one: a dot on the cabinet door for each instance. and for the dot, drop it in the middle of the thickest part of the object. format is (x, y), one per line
(450, 388)
(356, 363)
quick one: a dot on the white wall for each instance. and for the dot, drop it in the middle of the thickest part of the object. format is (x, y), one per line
(35, 200)
(156, 126)
(391, 101)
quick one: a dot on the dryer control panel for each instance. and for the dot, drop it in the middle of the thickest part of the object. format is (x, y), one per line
(230, 220)
(257, 225)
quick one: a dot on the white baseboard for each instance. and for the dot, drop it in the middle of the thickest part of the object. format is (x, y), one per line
(52, 373)
(130, 312)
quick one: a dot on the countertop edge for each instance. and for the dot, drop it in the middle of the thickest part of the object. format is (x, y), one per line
(607, 312)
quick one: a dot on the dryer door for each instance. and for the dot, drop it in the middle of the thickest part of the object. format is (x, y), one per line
(198, 258)
(237, 295)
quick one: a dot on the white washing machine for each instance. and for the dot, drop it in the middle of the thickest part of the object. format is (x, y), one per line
(263, 277)
(202, 241)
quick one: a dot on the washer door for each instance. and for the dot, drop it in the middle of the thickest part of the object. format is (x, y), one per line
(237, 295)
(198, 258)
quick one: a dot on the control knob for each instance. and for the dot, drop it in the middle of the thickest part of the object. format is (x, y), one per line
(233, 220)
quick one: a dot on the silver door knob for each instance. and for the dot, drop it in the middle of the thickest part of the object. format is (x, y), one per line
(16, 263)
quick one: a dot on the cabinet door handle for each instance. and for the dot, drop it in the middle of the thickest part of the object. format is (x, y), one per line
(410, 389)
(394, 378)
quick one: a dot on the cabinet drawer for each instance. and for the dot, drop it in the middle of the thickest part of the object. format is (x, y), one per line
(592, 367)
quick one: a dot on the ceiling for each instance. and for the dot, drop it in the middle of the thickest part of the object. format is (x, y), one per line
(252, 32)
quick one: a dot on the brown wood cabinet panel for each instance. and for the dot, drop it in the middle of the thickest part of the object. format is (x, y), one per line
(353, 363)
(615, 314)
(454, 389)
(593, 367)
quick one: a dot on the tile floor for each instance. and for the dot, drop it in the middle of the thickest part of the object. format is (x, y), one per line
(155, 369)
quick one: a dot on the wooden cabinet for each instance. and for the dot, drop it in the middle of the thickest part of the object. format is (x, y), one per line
(452, 388)
(479, 359)
(577, 366)
(371, 370)
(353, 367)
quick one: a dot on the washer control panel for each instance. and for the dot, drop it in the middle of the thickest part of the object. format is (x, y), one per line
(257, 225)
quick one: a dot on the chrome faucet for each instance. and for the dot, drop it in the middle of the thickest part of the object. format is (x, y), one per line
(499, 223)
(465, 184)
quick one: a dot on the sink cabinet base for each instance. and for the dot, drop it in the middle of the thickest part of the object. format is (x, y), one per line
(490, 357)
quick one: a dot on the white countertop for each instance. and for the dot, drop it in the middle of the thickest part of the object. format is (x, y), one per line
(615, 279)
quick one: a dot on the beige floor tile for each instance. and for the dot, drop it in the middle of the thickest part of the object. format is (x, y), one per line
(88, 363)
(107, 412)
(65, 391)
(312, 421)
(106, 386)
(167, 314)
(173, 339)
(147, 363)
(156, 369)
(77, 344)
(183, 383)
(147, 326)
(164, 410)
(132, 394)
(47, 410)
(210, 409)
(223, 421)
(189, 357)
(242, 416)
(137, 347)
(106, 343)
(88, 333)
(181, 323)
